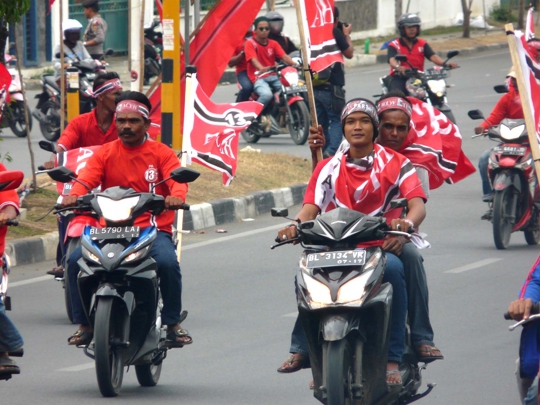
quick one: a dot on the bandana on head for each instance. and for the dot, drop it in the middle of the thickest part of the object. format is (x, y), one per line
(360, 105)
(394, 103)
(132, 106)
(107, 87)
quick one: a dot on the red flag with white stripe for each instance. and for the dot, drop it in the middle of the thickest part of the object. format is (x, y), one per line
(211, 131)
(318, 23)
(5, 82)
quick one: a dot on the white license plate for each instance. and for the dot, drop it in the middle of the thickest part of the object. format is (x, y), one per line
(114, 232)
(338, 258)
(511, 150)
(296, 89)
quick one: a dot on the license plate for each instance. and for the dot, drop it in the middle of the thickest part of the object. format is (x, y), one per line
(511, 150)
(296, 89)
(338, 258)
(114, 232)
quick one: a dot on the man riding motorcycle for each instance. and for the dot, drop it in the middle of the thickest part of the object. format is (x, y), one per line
(416, 49)
(137, 162)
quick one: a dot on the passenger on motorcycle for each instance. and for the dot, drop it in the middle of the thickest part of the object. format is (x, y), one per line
(261, 55)
(361, 178)
(137, 162)
(74, 50)
(508, 106)
(94, 128)
(416, 49)
(10, 338)
(239, 61)
(528, 368)
(277, 23)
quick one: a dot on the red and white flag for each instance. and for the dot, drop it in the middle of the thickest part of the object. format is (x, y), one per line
(5, 82)
(75, 160)
(434, 143)
(318, 22)
(529, 27)
(211, 131)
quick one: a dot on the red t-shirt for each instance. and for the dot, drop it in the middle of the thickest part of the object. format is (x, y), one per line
(242, 65)
(139, 167)
(508, 106)
(415, 56)
(265, 54)
(7, 198)
(84, 130)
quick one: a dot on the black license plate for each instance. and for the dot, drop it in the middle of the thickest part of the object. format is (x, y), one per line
(337, 258)
(511, 150)
(114, 232)
(296, 89)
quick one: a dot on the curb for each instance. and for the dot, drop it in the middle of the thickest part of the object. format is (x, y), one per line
(200, 216)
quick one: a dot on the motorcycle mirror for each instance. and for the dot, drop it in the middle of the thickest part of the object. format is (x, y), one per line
(184, 175)
(61, 174)
(57, 55)
(399, 203)
(475, 115)
(109, 52)
(451, 54)
(500, 88)
(280, 212)
(401, 58)
(47, 146)
(10, 179)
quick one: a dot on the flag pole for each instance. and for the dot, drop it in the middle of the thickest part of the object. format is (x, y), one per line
(527, 112)
(315, 157)
(62, 71)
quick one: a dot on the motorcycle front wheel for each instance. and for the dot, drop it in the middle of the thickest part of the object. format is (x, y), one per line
(17, 121)
(299, 123)
(250, 136)
(109, 356)
(50, 131)
(504, 216)
(532, 235)
(339, 372)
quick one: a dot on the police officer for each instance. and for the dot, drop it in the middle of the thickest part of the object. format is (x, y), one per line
(94, 36)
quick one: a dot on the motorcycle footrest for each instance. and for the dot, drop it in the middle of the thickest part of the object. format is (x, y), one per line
(119, 343)
(17, 353)
(415, 398)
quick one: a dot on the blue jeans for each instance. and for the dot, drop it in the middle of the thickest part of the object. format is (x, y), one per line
(417, 294)
(164, 253)
(266, 87)
(532, 394)
(329, 119)
(483, 168)
(246, 86)
(10, 338)
(394, 274)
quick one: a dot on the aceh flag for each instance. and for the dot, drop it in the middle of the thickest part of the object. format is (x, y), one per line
(318, 24)
(211, 131)
(434, 143)
(75, 160)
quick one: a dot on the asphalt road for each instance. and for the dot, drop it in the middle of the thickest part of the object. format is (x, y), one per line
(240, 296)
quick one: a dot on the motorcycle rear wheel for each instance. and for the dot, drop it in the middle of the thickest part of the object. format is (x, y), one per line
(148, 374)
(109, 359)
(338, 372)
(250, 136)
(17, 121)
(299, 123)
(50, 132)
(504, 216)
(73, 244)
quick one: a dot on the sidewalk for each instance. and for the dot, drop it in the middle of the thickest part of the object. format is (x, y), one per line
(217, 212)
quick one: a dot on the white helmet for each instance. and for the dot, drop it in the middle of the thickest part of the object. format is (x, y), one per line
(69, 25)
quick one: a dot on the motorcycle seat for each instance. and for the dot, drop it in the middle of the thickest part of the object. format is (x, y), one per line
(49, 79)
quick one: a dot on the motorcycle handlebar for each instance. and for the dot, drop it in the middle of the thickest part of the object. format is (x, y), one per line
(534, 311)
(41, 167)
(12, 222)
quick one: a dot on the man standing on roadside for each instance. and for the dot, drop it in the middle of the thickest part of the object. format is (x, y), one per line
(94, 36)
(328, 89)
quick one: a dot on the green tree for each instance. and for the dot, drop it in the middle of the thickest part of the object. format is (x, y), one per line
(11, 12)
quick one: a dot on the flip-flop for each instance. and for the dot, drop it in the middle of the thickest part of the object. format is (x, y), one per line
(425, 353)
(8, 366)
(173, 334)
(294, 363)
(80, 338)
(395, 384)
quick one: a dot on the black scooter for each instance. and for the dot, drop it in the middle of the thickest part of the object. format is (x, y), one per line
(345, 310)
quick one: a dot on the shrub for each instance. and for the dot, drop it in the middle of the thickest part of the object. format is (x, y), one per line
(501, 14)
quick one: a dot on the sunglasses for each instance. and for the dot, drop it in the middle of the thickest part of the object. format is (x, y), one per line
(263, 28)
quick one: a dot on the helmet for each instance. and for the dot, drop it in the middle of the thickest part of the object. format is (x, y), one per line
(408, 20)
(415, 89)
(71, 25)
(274, 16)
(275, 20)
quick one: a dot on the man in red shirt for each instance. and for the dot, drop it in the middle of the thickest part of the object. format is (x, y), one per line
(137, 162)
(261, 55)
(90, 129)
(239, 60)
(416, 49)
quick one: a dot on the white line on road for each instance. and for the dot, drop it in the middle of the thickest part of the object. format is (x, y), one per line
(29, 281)
(474, 265)
(486, 96)
(291, 315)
(80, 367)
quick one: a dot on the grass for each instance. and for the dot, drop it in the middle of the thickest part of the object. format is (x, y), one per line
(255, 172)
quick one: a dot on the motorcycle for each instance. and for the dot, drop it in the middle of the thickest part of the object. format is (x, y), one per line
(47, 111)
(429, 86)
(515, 188)
(13, 112)
(288, 108)
(118, 282)
(345, 309)
(9, 180)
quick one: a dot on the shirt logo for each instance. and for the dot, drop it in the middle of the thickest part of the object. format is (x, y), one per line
(151, 175)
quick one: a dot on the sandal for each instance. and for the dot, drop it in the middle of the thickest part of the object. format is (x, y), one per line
(80, 338)
(8, 366)
(427, 353)
(391, 384)
(173, 335)
(294, 363)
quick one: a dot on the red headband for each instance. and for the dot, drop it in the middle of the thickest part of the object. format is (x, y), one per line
(132, 106)
(107, 87)
(394, 103)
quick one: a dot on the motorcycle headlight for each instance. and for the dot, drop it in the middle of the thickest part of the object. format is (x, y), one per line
(318, 292)
(90, 256)
(116, 211)
(136, 255)
(291, 77)
(510, 134)
(354, 291)
(437, 86)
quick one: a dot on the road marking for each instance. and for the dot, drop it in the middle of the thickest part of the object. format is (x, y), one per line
(474, 265)
(29, 281)
(486, 96)
(80, 367)
(291, 315)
